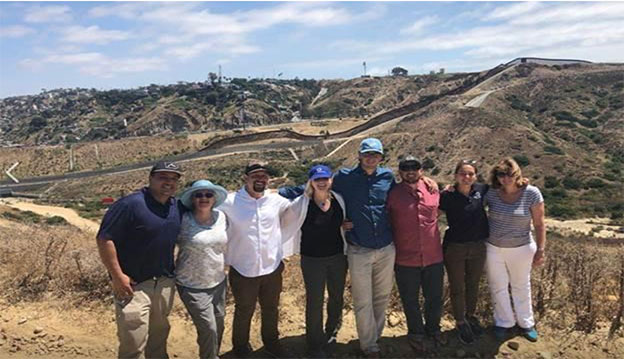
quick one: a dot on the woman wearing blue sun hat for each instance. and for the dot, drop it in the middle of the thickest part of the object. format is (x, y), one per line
(200, 265)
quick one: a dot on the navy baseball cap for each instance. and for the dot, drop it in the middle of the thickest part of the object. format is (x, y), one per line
(371, 145)
(409, 162)
(166, 166)
(319, 171)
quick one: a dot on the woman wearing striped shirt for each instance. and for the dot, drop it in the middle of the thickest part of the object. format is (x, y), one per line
(511, 248)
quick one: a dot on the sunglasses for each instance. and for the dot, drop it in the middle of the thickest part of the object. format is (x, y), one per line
(468, 162)
(203, 194)
(408, 168)
(503, 174)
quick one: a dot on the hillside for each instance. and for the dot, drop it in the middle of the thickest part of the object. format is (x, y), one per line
(79, 115)
(563, 124)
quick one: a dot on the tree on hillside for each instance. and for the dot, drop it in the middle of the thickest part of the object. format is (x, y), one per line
(399, 71)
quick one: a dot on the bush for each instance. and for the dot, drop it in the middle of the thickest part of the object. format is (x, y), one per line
(551, 182)
(595, 183)
(428, 163)
(522, 160)
(56, 220)
(570, 182)
(553, 149)
(560, 211)
(565, 116)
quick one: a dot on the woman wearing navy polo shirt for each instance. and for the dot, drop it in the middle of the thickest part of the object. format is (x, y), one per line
(464, 246)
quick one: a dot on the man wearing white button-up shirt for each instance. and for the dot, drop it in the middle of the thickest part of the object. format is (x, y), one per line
(255, 254)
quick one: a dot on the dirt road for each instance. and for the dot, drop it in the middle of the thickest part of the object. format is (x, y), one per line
(69, 214)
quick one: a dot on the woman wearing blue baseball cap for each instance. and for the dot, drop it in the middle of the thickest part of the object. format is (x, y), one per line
(200, 265)
(318, 215)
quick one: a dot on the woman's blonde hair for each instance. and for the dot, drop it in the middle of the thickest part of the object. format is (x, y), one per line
(309, 190)
(511, 168)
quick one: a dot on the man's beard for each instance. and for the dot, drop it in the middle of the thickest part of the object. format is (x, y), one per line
(259, 187)
(411, 180)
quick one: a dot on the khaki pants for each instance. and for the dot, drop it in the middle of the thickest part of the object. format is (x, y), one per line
(372, 276)
(142, 324)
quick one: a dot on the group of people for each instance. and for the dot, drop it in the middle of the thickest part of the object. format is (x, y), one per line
(358, 220)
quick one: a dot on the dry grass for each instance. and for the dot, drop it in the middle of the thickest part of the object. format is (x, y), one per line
(580, 287)
(38, 260)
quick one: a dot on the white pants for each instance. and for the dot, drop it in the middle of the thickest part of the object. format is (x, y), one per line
(372, 277)
(511, 266)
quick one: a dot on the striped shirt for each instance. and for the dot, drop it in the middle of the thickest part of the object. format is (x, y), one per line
(510, 224)
(201, 256)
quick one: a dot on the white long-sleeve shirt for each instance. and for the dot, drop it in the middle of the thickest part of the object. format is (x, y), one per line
(254, 233)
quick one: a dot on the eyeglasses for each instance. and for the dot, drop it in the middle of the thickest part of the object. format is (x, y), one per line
(407, 168)
(503, 174)
(203, 194)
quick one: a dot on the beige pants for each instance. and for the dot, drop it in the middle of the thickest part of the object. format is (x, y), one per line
(142, 324)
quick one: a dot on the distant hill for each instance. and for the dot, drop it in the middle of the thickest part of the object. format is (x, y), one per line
(79, 115)
(563, 123)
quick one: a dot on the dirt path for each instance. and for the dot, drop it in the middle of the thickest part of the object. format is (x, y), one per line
(598, 226)
(69, 214)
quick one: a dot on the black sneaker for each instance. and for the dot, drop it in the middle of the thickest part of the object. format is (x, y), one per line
(243, 352)
(464, 333)
(475, 326)
(275, 351)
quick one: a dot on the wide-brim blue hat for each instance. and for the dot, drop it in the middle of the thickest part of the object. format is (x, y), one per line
(187, 196)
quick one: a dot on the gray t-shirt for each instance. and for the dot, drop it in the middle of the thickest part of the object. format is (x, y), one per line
(201, 256)
(510, 223)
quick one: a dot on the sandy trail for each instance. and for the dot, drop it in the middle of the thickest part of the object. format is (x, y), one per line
(69, 214)
(586, 226)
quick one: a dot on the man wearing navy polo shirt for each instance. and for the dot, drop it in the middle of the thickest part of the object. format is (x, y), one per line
(135, 242)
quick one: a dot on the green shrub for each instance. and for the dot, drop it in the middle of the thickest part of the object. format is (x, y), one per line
(570, 182)
(551, 182)
(590, 113)
(56, 220)
(522, 160)
(565, 116)
(428, 163)
(595, 183)
(588, 123)
(559, 210)
(553, 149)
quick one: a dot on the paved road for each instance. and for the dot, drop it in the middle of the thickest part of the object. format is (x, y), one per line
(29, 184)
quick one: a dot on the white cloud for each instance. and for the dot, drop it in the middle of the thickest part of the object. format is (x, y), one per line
(511, 11)
(192, 29)
(97, 64)
(92, 35)
(15, 31)
(127, 11)
(419, 25)
(54, 13)
(571, 12)
(514, 38)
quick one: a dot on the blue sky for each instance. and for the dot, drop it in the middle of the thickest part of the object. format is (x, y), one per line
(106, 45)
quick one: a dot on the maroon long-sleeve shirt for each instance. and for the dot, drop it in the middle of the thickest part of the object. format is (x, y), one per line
(414, 220)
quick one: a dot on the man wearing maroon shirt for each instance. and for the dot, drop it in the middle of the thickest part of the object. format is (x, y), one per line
(413, 212)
